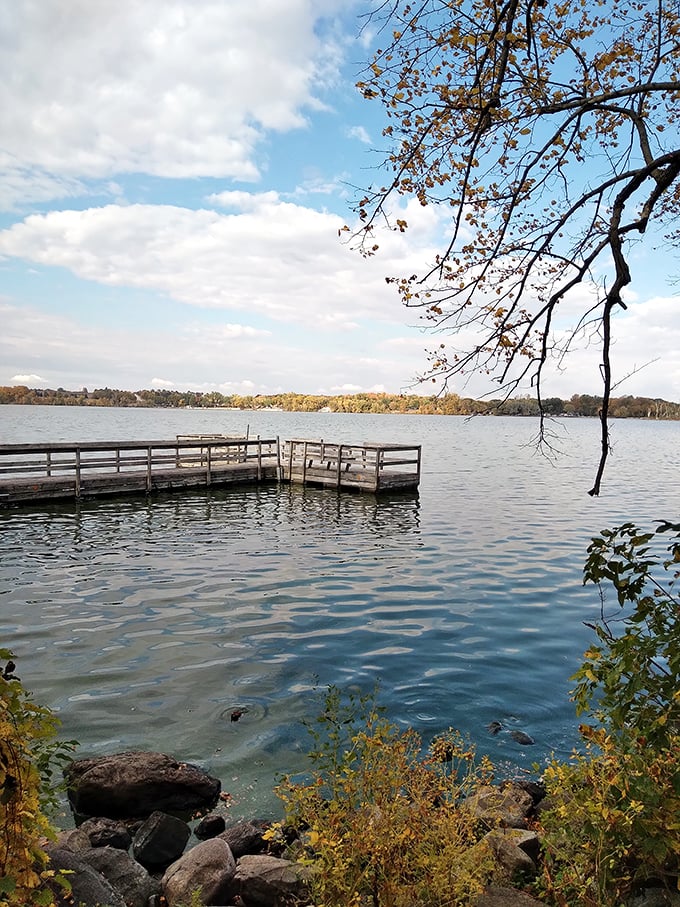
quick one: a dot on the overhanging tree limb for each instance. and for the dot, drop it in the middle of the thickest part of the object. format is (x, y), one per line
(495, 107)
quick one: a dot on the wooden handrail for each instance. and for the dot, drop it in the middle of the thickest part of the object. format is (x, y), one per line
(73, 458)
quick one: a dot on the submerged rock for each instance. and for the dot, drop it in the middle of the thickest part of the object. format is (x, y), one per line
(522, 738)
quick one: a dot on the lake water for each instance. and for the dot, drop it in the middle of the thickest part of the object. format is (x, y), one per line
(145, 623)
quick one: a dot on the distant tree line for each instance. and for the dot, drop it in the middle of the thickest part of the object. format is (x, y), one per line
(445, 404)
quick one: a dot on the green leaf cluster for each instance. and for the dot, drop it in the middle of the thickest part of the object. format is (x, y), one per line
(629, 680)
(615, 818)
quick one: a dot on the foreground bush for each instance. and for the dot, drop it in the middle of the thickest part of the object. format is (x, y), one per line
(380, 817)
(29, 754)
(616, 820)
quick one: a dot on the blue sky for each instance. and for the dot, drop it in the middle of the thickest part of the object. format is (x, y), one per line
(173, 176)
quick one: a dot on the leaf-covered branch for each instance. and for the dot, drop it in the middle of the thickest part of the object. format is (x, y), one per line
(547, 130)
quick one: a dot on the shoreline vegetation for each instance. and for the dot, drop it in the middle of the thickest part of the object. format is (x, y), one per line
(627, 407)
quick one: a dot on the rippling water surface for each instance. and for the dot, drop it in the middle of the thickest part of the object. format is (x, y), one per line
(145, 623)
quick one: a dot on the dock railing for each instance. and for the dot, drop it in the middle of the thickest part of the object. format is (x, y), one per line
(369, 465)
(76, 461)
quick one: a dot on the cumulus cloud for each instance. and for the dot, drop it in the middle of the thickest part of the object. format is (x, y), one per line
(276, 258)
(165, 88)
(29, 380)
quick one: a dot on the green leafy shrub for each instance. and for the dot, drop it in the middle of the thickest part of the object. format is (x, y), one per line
(29, 755)
(380, 818)
(616, 819)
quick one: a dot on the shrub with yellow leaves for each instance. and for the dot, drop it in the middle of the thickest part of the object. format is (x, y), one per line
(28, 752)
(379, 815)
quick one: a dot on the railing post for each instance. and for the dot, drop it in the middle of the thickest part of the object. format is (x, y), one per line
(77, 472)
(49, 462)
(208, 471)
(117, 459)
(378, 462)
(304, 463)
(148, 469)
(290, 460)
(259, 459)
(338, 466)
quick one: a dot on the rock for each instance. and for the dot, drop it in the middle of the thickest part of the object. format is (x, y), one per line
(245, 838)
(104, 832)
(265, 881)
(656, 897)
(88, 887)
(134, 784)
(508, 806)
(522, 738)
(535, 789)
(160, 840)
(210, 827)
(132, 882)
(209, 866)
(73, 839)
(511, 847)
(505, 897)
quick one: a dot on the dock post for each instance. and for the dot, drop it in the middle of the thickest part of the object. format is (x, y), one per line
(338, 466)
(290, 461)
(49, 463)
(148, 469)
(378, 461)
(77, 472)
(208, 464)
(259, 459)
(304, 463)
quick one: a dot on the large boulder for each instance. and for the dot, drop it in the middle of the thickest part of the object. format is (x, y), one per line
(132, 882)
(160, 840)
(135, 784)
(507, 806)
(265, 881)
(104, 832)
(245, 838)
(515, 852)
(88, 887)
(209, 866)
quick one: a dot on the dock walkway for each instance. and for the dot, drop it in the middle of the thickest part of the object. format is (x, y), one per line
(33, 473)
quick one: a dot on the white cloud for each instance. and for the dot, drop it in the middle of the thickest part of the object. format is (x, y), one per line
(243, 201)
(29, 380)
(346, 389)
(161, 87)
(359, 132)
(275, 258)
(162, 382)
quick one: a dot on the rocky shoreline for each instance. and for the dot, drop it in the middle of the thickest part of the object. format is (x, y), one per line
(134, 844)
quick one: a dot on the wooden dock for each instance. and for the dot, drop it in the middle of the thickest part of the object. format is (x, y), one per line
(363, 467)
(34, 473)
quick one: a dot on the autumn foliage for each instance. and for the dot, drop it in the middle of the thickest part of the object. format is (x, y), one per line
(547, 131)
